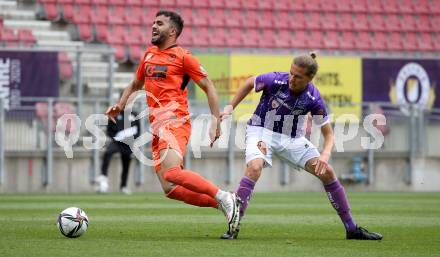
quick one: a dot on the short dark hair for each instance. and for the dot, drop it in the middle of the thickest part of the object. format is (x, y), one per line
(307, 62)
(174, 18)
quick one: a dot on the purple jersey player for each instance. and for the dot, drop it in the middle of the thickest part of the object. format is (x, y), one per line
(277, 127)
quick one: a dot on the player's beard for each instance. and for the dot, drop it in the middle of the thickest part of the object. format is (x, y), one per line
(158, 40)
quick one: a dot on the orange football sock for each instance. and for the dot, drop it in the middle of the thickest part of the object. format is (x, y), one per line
(185, 195)
(190, 180)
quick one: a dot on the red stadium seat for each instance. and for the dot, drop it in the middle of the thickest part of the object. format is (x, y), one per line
(250, 5)
(344, 21)
(168, 3)
(184, 3)
(8, 37)
(425, 42)
(346, 41)
(51, 11)
(315, 39)
(360, 22)
(376, 22)
(134, 3)
(328, 5)
(132, 39)
(133, 17)
(217, 37)
(331, 40)
(435, 21)
(299, 40)
(378, 41)
(359, 6)
(344, 6)
(201, 17)
(120, 53)
(390, 7)
(67, 12)
(266, 39)
(135, 53)
(82, 16)
(392, 22)
(363, 41)
(250, 19)
(422, 7)
(328, 21)
(250, 38)
(313, 20)
(282, 5)
(233, 38)
(187, 16)
(283, 38)
(101, 32)
(100, 16)
(436, 41)
(26, 38)
(406, 7)
(217, 18)
(85, 32)
(265, 5)
(237, 21)
(150, 3)
(186, 38)
(375, 6)
(231, 4)
(201, 36)
(423, 24)
(201, 3)
(298, 21)
(116, 36)
(282, 20)
(311, 5)
(410, 42)
(394, 42)
(116, 18)
(117, 2)
(82, 2)
(149, 16)
(99, 2)
(408, 23)
(217, 4)
(266, 20)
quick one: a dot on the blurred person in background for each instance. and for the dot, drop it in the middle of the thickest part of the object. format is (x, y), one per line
(119, 144)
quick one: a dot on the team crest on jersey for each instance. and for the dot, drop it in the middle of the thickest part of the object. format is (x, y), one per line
(275, 104)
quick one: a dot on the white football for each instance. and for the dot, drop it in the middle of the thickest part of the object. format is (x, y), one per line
(73, 222)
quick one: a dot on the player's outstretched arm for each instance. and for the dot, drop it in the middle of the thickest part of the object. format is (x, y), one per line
(208, 87)
(115, 109)
(242, 92)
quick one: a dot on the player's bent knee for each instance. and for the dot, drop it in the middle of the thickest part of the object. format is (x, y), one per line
(254, 169)
(329, 176)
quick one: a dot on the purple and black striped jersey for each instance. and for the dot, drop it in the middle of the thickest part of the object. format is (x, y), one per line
(282, 112)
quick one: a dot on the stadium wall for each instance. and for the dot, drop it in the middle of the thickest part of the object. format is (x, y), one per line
(24, 170)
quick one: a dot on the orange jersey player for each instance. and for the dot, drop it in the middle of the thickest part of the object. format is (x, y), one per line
(163, 73)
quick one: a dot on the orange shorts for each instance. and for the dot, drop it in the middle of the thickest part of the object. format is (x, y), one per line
(170, 138)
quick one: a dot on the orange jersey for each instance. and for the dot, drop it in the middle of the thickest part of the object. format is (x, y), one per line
(165, 74)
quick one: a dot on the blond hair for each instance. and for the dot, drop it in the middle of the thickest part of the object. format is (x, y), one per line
(307, 62)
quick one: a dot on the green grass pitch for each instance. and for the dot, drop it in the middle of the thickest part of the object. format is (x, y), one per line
(277, 224)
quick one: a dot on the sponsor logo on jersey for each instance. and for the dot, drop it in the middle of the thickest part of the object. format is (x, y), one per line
(156, 71)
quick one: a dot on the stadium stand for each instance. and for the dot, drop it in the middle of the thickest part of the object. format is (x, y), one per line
(333, 24)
